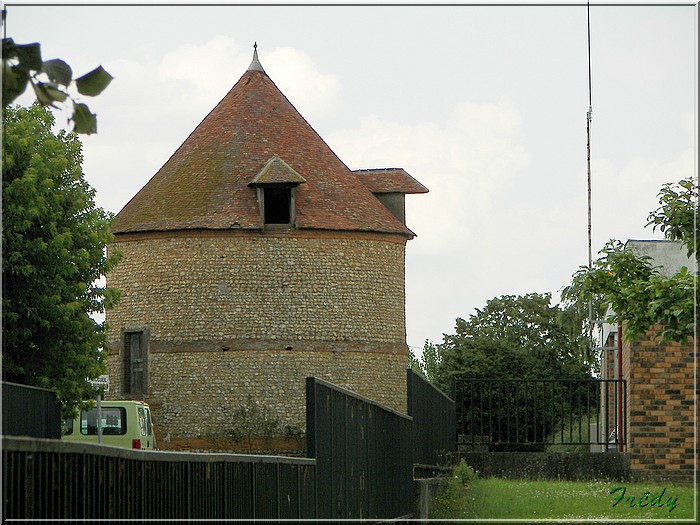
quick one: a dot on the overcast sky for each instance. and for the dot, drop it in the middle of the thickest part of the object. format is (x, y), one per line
(485, 105)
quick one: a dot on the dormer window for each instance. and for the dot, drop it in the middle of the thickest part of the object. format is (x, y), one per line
(277, 204)
(276, 186)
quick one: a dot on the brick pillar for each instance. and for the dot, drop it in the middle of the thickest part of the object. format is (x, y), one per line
(661, 409)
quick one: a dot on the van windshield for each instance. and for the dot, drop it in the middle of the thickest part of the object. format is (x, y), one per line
(113, 421)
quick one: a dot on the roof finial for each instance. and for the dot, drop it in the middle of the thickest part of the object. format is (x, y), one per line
(255, 65)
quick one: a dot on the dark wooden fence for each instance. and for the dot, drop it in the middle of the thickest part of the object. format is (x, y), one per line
(363, 451)
(433, 413)
(360, 466)
(45, 479)
(30, 411)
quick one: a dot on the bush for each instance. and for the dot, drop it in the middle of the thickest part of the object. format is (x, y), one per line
(253, 420)
(464, 473)
(449, 502)
(452, 497)
(293, 431)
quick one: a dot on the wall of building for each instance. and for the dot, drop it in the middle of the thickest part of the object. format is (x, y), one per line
(661, 410)
(235, 313)
(193, 395)
(275, 287)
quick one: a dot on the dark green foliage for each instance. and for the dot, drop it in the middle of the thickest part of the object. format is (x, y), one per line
(513, 337)
(54, 241)
(429, 362)
(521, 337)
(413, 362)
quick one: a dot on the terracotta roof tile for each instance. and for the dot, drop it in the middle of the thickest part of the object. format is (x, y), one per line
(205, 183)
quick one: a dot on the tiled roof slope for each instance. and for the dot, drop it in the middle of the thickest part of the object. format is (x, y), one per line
(390, 180)
(205, 184)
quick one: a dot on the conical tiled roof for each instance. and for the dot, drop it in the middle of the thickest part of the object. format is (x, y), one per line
(206, 182)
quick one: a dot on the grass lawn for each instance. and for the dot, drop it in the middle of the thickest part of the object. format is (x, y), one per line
(500, 499)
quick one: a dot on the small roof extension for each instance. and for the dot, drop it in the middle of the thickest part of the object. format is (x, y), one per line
(390, 180)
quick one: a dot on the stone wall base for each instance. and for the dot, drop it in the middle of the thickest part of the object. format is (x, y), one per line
(572, 466)
(274, 446)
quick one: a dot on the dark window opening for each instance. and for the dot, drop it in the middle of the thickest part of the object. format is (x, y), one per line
(134, 363)
(278, 205)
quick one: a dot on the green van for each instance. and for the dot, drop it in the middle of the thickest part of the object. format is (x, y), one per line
(125, 424)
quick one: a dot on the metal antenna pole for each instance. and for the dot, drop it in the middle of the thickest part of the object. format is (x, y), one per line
(589, 117)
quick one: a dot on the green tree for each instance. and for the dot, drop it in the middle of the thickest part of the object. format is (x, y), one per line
(676, 215)
(414, 363)
(575, 321)
(513, 337)
(639, 293)
(51, 80)
(429, 361)
(54, 240)
(253, 420)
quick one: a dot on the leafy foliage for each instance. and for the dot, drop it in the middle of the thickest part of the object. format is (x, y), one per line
(22, 65)
(637, 291)
(252, 420)
(676, 216)
(464, 473)
(54, 240)
(513, 337)
(413, 362)
(429, 361)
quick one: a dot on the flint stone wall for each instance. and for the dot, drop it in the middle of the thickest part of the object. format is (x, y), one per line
(234, 314)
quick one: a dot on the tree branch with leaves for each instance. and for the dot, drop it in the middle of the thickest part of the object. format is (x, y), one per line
(638, 292)
(52, 81)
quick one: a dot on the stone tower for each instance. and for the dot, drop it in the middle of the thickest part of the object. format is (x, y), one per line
(253, 259)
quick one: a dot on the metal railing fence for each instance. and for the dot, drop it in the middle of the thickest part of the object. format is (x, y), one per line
(530, 414)
(44, 479)
(363, 454)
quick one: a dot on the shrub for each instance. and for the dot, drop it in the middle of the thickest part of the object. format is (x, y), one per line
(464, 473)
(253, 420)
(449, 502)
